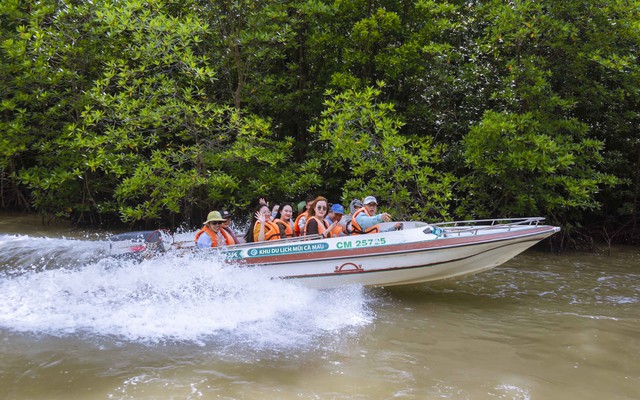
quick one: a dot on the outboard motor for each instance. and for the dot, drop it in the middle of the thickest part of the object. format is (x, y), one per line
(139, 244)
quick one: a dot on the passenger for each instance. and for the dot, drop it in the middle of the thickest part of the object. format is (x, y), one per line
(283, 219)
(335, 214)
(354, 206)
(316, 224)
(365, 220)
(274, 209)
(226, 225)
(261, 227)
(211, 235)
(302, 217)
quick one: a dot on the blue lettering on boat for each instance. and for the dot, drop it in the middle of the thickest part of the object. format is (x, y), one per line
(290, 249)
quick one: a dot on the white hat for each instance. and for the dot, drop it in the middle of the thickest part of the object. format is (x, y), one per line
(369, 200)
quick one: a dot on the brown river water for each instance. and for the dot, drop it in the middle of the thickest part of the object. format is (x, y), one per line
(75, 324)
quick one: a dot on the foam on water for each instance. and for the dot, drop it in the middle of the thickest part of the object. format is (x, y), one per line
(22, 252)
(170, 298)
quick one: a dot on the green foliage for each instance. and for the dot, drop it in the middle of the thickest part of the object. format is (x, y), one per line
(177, 149)
(363, 142)
(163, 184)
(524, 165)
(48, 54)
(151, 111)
(538, 128)
(253, 162)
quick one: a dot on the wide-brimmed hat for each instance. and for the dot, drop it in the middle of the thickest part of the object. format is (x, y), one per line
(214, 216)
(369, 200)
(226, 214)
(337, 209)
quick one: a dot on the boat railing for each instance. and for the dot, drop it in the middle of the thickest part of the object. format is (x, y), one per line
(449, 228)
(457, 228)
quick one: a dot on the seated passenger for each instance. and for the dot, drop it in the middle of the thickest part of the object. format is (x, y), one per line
(283, 219)
(261, 227)
(274, 210)
(211, 234)
(354, 206)
(335, 214)
(301, 219)
(226, 225)
(316, 224)
(365, 220)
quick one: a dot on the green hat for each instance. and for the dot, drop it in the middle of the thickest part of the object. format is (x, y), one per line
(301, 206)
(213, 216)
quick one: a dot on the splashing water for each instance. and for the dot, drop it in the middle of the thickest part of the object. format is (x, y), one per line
(67, 287)
(20, 253)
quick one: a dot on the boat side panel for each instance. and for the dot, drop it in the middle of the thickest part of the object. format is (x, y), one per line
(349, 247)
(383, 269)
(394, 274)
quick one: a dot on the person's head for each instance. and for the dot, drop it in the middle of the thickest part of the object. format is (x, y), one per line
(371, 204)
(319, 207)
(310, 199)
(336, 212)
(285, 212)
(302, 206)
(227, 218)
(355, 205)
(214, 221)
(264, 210)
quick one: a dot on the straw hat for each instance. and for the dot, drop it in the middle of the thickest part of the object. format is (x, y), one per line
(213, 216)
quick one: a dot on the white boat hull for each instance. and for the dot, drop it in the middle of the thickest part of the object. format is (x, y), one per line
(406, 257)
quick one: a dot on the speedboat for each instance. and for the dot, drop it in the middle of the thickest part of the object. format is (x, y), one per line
(417, 253)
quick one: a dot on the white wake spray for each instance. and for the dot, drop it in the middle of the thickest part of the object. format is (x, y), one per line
(165, 299)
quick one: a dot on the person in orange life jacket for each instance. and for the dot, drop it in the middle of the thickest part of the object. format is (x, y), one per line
(354, 206)
(226, 225)
(283, 219)
(261, 227)
(301, 220)
(211, 234)
(335, 215)
(316, 224)
(365, 220)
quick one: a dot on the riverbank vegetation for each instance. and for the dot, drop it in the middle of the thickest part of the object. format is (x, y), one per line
(155, 112)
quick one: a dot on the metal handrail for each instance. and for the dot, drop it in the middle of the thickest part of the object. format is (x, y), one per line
(486, 224)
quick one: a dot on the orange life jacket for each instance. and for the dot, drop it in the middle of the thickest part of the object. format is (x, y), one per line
(296, 228)
(214, 238)
(322, 226)
(288, 229)
(356, 229)
(337, 230)
(271, 231)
